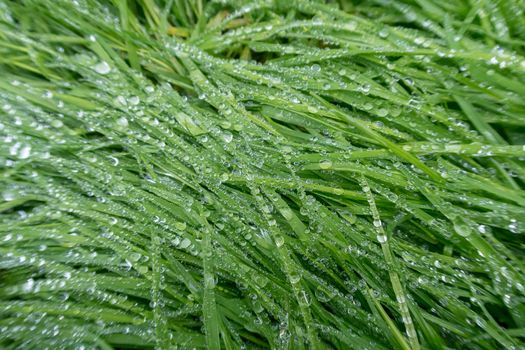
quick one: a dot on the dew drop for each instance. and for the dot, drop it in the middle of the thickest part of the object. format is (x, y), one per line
(513, 226)
(312, 109)
(180, 225)
(102, 68)
(135, 256)
(57, 123)
(122, 122)
(348, 216)
(338, 191)
(382, 112)
(114, 160)
(209, 282)
(323, 294)
(279, 241)
(134, 100)
(261, 280)
(185, 243)
(28, 286)
(121, 100)
(325, 164)
(24, 152)
(225, 124)
(350, 25)
(382, 238)
(295, 277)
(227, 136)
(316, 67)
(462, 228)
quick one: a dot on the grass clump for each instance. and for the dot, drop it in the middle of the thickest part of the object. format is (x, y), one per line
(262, 174)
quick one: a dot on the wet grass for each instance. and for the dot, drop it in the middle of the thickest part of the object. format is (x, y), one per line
(253, 174)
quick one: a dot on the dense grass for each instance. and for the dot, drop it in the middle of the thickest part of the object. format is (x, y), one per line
(262, 174)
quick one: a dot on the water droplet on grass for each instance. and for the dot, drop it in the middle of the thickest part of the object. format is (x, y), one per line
(295, 277)
(209, 282)
(227, 136)
(338, 191)
(348, 216)
(323, 294)
(279, 241)
(135, 256)
(382, 238)
(325, 164)
(114, 160)
(180, 225)
(350, 25)
(102, 68)
(185, 243)
(57, 123)
(28, 286)
(260, 280)
(513, 226)
(24, 152)
(461, 227)
(312, 109)
(121, 100)
(134, 100)
(122, 122)
(382, 112)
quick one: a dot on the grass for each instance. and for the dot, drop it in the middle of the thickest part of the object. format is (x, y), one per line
(254, 174)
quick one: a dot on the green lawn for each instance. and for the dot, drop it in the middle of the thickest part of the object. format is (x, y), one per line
(268, 174)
